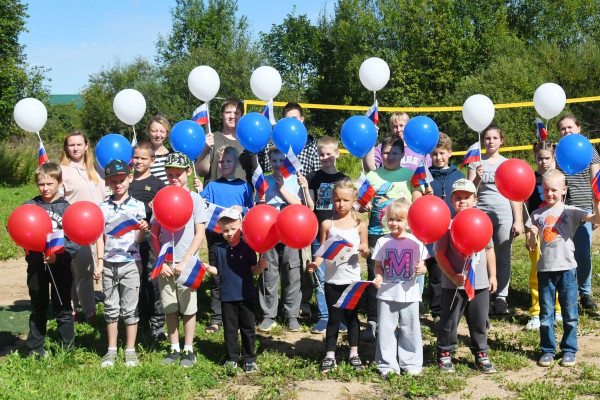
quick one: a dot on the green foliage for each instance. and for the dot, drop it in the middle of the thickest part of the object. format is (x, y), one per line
(12, 197)
(20, 156)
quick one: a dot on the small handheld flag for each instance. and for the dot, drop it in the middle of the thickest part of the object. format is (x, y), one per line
(596, 186)
(260, 182)
(470, 281)
(192, 274)
(291, 165)
(422, 176)
(121, 225)
(213, 211)
(200, 114)
(42, 156)
(333, 247)
(542, 134)
(365, 190)
(166, 254)
(268, 112)
(349, 299)
(473, 155)
(55, 243)
(373, 113)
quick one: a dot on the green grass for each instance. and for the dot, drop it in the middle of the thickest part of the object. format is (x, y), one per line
(12, 197)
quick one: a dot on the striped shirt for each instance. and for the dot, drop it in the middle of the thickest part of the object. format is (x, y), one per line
(579, 192)
(158, 167)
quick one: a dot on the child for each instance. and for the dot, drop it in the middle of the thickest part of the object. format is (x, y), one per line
(143, 188)
(227, 191)
(41, 269)
(451, 262)
(398, 261)
(557, 268)
(320, 184)
(544, 158)
(235, 264)
(281, 259)
(121, 277)
(339, 274)
(177, 298)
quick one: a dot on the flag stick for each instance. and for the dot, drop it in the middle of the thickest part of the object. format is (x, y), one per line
(456, 291)
(536, 236)
(53, 282)
(134, 136)
(319, 283)
(208, 115)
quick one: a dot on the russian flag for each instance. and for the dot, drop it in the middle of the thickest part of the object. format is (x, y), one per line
(55, 243)
(121, 225)
(42, 156)
(200, 115)
(166, 254)
(349, 299)
(596, 186)
(422, 176)
(373, 113)
(470, 281)
(192, 274)
(332, 247)
(260, 182)
(365, 190)
(291, 165)
(473, 155)
(213, 211)
(542, 134)
(268, 112)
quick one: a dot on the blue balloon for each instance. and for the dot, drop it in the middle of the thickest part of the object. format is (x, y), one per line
(574, 153)
(421, 135)
(113, 147)
(359, 135)
(254, 131)
(189, 138)
(289, 132)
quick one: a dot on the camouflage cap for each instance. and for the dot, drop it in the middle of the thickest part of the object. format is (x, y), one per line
(177, 160)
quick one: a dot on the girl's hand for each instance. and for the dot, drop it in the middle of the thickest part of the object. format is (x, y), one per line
(197, 184)
(364, 250)
(479, 171)
(493, 284)
(459, 279)
(98, 271)
(364, 209)
(517, 229)
(51, 259)
(534, 230)
(302, 182)
(428, 190)
(377, 281)
(239, 208)
(166, 271)
(420, 268)
(144, 225)
(279, 181)
(311, 267)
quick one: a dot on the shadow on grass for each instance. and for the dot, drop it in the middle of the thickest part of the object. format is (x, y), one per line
(14, 320)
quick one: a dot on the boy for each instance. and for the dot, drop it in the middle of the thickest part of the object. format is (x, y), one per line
(177, 298)
(557, 268)
(281, 259)
(41, 269)
(451, 262)
(235, 264)
(121, 278)
(320, 185)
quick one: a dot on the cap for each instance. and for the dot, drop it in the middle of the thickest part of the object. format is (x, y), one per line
(177, 160)
(463, 185)
(115, 167)
(230, 213)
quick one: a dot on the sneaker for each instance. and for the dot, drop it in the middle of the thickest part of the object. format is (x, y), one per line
(370, 332)
(188, 358)
(500, 306)
(267, 324)
(320, 326)
(568, 360)
(327, 365)
(172, 356)
(534, 323)
(587, 303)
(546, 360)
(250, 368)
(231, 367)
(482, 362)
(293, 325)
(356, 363)
(131, 359)
(558, 319)
(109, 359)
(444, 362)
(343, 327)
(414, 371)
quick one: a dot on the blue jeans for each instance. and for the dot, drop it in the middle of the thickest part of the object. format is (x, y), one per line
(583, 257)
(565, 283)
(323, 313)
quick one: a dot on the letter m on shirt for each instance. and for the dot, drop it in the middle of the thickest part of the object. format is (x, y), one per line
(399, 266)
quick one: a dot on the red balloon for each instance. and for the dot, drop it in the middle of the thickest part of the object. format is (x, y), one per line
(429, 218)
(260, 228)
(83, 222)
(28, 226)
(471, 231)
(515, 179)
(297, 226)
(172, 207)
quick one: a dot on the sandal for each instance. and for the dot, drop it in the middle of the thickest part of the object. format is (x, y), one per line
(213, 328)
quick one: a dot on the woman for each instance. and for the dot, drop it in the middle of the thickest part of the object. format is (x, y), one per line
(158, 131)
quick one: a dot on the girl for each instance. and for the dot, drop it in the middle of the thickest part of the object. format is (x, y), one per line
(505, 214)
(158, 131)
(398, 261)
(339, 274)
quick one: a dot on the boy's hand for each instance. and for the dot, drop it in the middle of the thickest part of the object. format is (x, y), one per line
(166, 271)
(364, 209)
(210, 139)
(459, 279)
(479, 171)
(239, 208)
(428, 190)
(517, 229)
(420, 268)
(377, 281)
(279, 180)
(144, 225)
(493, 284)
(51, 259)
(98, 270)
(302, 182)
(364, 250)
(178, 268)
(311, 267)
(197, 184)
(534, 230)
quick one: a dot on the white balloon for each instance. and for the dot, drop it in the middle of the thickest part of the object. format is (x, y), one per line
(549, 100)
(129, 106)
(478, 112)
(265, 82)
(374, 73)
(30, 114)
(204, 82)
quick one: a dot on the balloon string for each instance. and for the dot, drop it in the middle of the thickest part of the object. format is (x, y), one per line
(374, 96)
(462, 273)
(53, 283)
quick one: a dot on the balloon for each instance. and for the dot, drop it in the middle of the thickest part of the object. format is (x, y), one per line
(28, 226)
(471, 231)
(254, 132)
(515, 179)
(265, 83)
(478, 112)
(359, 135)
(289, 132)
(188, 137)
(429, 218)
(173, 207)
(30, 114)
(574, 153)
(297, 226)
(421, 135)
(260, 228)
(113, 147)
(204, 82)
(549, 100)
(374, 73)
(83, 222)
(129, 106)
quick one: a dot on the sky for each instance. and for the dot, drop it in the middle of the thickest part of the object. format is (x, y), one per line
(75, 38)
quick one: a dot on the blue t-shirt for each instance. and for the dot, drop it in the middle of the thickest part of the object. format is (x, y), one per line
(228, 193)
(233, 264)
